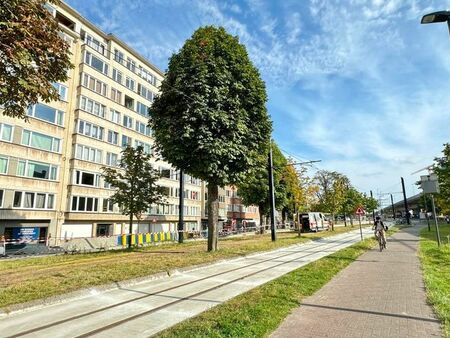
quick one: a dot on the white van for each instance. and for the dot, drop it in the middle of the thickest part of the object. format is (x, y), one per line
(313, 221)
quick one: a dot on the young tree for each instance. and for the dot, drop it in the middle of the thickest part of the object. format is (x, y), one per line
(32, 55)
(331, 194)
(295, 193)
(135, 183)
(254, 190)
(210, 119)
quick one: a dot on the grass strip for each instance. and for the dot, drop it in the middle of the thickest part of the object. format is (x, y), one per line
(30, 279)
(436, 271)
(260, 311)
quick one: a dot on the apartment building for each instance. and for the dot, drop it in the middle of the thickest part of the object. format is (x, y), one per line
(238, 214)
(50, 166)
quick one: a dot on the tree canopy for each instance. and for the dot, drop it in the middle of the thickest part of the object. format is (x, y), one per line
(32, 55)
(210, 118)
(442, 170)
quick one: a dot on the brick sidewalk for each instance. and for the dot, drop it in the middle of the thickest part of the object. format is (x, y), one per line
(380, 295)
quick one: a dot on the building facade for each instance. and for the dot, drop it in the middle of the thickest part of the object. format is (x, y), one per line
(50, 166)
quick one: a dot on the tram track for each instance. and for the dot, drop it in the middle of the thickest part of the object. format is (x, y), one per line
(316, 249)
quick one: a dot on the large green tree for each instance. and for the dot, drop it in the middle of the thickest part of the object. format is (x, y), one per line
(210, 119)
(442, 169)
(32, 55)
(254, 190)
(135, 183)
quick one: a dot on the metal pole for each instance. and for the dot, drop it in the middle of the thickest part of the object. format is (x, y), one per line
(426, 211)
(360, 227)
(271, 197)
(438, 236)
(392, 204)
(181, 211)
(373, 211)
(405, 201)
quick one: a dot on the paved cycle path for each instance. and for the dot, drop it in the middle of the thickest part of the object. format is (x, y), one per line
(380, 295)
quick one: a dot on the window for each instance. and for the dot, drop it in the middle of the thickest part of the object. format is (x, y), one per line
(118, 56)
(1, 198)
(4, 165)
(143, 128)
(90, 129)
(93, 43)
(92, 106)
(37, 170)
(86, 153)
(96, 63)
(147, 147)
(126, 141)
(129, 102)
(40, 141)
(6, 132)
(129, 83)
(115, 116)
(142, 109)
(46, 113)
(145, 92)
(94, 84)
(81, 203)
(33, 200)
(147, 76)
(117, 75)
(116, 95)
(113, 137)
(108, 206)
(62, 91)
(127, 121)
(131, 65)
(111, 159)
(86, 178)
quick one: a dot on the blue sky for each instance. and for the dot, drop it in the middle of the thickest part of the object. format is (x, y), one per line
(360, 85)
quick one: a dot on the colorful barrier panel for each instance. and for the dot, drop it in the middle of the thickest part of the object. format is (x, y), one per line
(141, 239)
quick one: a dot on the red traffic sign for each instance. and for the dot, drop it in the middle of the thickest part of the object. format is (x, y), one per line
(360, 211)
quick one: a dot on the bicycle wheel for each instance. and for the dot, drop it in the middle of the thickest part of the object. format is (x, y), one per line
(380, 243)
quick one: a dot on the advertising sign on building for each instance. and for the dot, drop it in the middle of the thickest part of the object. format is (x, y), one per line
(25, 234)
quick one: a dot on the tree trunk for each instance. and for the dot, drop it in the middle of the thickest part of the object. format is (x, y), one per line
(213, 215)
(131, 230)
(351, 220)
(332, 222)
(261, 219)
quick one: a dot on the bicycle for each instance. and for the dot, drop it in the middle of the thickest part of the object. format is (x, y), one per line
(381, 241)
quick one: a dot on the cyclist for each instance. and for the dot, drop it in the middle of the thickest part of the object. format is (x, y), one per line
(379, 229)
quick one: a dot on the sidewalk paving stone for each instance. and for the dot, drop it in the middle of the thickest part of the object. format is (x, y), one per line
(381, 294)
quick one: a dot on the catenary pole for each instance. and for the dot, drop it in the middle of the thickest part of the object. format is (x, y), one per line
(393, 208)
(405, 201)
(271, 197)
(181, 211)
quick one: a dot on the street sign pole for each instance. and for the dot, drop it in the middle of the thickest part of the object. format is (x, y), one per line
(360, 227)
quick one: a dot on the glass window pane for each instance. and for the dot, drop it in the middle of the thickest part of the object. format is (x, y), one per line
(25, 137)
(41, 141)
(53, 172)
(17, 199)
(3, 165)
(81, 203)
(38, 170)
(50, 201)
(74, 203)
(29, 200)
(6, 132)
(44, 112)
(89, 204)
(40, 201)
(56, 144)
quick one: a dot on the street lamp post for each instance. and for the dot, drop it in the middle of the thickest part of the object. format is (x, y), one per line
(441, 16)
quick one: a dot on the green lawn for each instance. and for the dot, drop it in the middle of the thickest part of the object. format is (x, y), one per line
(436, 268)
(260, 311)
(36, 278)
